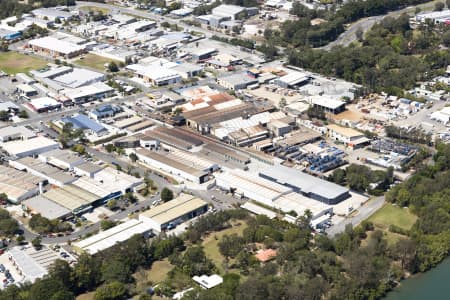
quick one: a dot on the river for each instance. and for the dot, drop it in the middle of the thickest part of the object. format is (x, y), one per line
(432, 285)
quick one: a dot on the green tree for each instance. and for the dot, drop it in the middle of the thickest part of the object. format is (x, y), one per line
(112, 67)
(36, 242)
(111, 291)
(107, 224)
(166, 194)
(133, 157)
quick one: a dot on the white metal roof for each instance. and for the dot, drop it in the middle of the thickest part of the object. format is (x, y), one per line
(112, 236)
(20, 146)
(44, 102)
(56, 45)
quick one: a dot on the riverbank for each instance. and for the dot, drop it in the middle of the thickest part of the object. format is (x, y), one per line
(433, 285)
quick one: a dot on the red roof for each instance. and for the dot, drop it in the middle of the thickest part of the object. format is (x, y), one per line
(266, 255)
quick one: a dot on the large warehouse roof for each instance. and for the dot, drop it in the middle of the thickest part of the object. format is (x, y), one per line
(47, 208)
(174, 209)
(305, 182)
(15, 184)
(56, 45)
(71, 197)
(21, 146)
(112, 236)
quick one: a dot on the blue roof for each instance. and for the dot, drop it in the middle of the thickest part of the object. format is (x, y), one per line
(106, 110)
(83, 122)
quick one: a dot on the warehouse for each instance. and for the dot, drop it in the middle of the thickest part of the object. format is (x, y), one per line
(251, 186)
(306, 184)
(225, 153)
(174, 212)
(350, 137)
(11, 133)
(114, 235)
(293, 79)
(29, 147)
(87, 169)
(18, 185)
(95, 91)
(79, 77)
(81, 121)
(52, 73)
(26, 90)
(9, 35)
(31, 263)
(72, 197)
(36, 167)
(175, 137)
(63, 159)
(157, 75)
(327, 104)
(44, 104)
(46, 208)
(52, 47)
(232, 12)
(236, 81)
(108, 183)
(193, 170)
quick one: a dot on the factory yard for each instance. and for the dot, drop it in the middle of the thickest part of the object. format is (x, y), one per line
(13, 62)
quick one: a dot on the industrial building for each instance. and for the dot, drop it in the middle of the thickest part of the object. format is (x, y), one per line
(108, 238)
(36, 167)
(293, 79)
(178, 163)
(18, 185)
(53, 47)
(78, 77)
(31, 263)
(83, 122)
(44, 104)
(95, 91)
(72, 197)
(305, 184)
(108, 183)
(52, 14)
(105, 111)
(29, 147)
(87, 169)
(11, 133)
(270, 193)
(174, 212)
(236, 81)
(46, 208)
(174, 137)
(349, 136)
(63, 159)
(327, 104)
(156, 75)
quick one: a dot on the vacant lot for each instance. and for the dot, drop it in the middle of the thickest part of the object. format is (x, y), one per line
(211, 242)
(94, 9)
(13, 62)
(94, 61)
(393, 215)
(86, 296)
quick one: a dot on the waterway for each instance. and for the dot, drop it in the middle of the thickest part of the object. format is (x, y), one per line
(432, 285)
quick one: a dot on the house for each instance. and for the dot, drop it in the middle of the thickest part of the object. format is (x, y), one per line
(208, 282)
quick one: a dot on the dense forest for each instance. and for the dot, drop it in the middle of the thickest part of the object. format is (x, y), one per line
(391, 57)
(357, 264)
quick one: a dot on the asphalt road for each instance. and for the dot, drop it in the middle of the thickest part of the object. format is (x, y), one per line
(349, 36)
(363, 213)
(150, 15)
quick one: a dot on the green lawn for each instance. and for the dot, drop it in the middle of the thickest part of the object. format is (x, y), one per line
(94, 61)
(13, 62)
(393, 215)
(211, 242)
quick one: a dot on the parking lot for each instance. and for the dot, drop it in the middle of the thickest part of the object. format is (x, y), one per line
(8, 265)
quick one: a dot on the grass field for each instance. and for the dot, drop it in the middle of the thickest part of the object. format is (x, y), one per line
(105, 11)
(13, 62)
(94, 61)
(211, 242)
(393, 215)
(159, 271)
